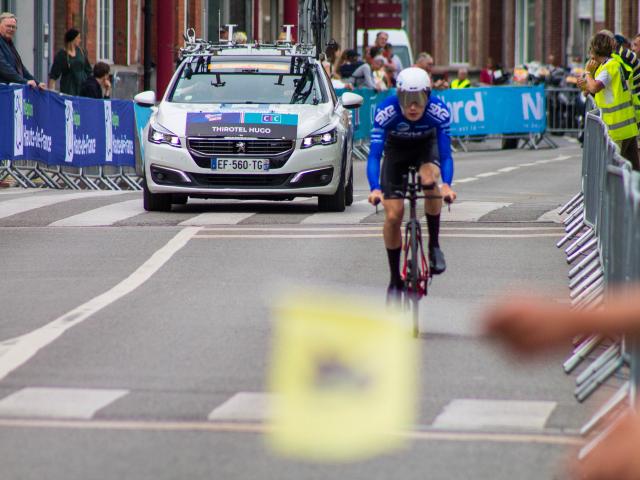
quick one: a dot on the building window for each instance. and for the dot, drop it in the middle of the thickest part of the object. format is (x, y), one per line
(459, 32)
(525, 31)
(105, 30)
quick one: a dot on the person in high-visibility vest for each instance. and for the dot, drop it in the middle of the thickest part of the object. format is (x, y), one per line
(605, 79)
(462, 81)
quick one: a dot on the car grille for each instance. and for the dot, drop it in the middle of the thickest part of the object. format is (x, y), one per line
(216, 146)
(240, 181)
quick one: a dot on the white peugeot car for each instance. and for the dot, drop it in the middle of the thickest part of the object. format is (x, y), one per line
(249, 122)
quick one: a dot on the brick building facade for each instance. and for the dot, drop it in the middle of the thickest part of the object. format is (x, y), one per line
(513, 32)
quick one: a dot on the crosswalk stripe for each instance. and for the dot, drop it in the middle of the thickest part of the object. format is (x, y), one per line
(21, 191)
(103, 216)
(217, 218)
(243, 406)
(474, 414)
(79, 403)
(21, 205)
(353, 214)
(470, 211)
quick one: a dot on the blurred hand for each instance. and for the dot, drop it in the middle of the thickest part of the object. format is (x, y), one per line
(448, 195)
(375, 197)
(591, 66)
(616, 457)
(42, 86)
(529, 324)
(32, 84)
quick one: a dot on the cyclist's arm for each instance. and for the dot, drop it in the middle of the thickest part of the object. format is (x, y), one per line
(378, 135)
(444, 149)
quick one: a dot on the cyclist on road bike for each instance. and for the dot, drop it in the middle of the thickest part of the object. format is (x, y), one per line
(412, 128)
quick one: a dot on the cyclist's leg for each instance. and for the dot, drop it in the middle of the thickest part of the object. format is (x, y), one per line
(429, 176)
(393, 169)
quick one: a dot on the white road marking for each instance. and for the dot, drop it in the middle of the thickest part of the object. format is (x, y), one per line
(217, 218)
(103, 216)
(552, 216)
(353, 214)
(471, 414)
(21, 205)
(470, 211)
(17, 351)
(487, 174)
(509, 169)
(466, 180)
(530, 164)
(243, 407)
(58, 402)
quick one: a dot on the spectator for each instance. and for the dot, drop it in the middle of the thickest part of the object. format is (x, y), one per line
(462, 81)
(486, 74)
(332, 53)
(393, 62)
(363, 76)
(98, 85)
(380, 42)
(240, 38)
(223, 35)
(380, 77)
(12, 70)
(529, 325)
(425, 61)
(70, 65)
(350, 64)
(604, 81)
(621, 40)
(635, 45)
(555, 73)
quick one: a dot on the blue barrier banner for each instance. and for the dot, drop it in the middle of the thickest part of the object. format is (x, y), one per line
(474, 111)
(143, 115)
(64, 130)
(496, 110)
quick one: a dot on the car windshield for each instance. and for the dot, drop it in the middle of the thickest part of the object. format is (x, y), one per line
(248, 82)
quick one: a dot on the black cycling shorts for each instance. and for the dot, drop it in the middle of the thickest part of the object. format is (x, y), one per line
(398, 156)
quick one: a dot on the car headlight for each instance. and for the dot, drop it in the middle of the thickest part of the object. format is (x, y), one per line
(158, 134)
(326, 138)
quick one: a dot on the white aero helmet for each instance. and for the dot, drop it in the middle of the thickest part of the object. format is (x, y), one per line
(414, 86)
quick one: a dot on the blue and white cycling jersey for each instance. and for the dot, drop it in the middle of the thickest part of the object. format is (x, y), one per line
(389, 122)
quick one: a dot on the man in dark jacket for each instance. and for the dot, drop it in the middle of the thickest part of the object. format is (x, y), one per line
(12, 70)
(98, 85)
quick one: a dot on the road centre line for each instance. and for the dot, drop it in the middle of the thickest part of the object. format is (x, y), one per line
(487, 174)
(366, 235)
(17, 351)
(260, 428)
(509, 169)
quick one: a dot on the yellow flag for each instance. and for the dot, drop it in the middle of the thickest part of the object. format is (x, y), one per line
(344, 378)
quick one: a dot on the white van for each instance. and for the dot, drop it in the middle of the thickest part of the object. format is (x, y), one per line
(397, 37)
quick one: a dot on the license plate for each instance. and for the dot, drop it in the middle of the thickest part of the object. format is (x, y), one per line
(239, 165)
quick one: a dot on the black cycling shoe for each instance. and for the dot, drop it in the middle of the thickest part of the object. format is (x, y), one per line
(436, 261)
(394, 293)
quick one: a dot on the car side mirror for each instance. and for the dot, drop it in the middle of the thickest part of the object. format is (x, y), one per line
(146, 99)
(351, 100)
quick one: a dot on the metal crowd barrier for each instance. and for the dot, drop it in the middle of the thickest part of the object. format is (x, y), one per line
(603, 232)
(566, 110)
(30, 174)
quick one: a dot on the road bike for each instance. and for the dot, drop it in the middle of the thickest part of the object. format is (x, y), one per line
(415, 272)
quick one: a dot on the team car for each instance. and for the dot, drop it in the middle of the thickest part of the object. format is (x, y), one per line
(248, 121)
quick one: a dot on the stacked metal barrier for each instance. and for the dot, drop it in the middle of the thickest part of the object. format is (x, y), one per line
(603, 231)
(29, 174)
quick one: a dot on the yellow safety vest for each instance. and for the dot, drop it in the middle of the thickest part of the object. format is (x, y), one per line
(457, 83)
(631, 83)
(619, 114)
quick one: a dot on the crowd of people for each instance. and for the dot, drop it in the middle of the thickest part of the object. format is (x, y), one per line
(70, 68)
